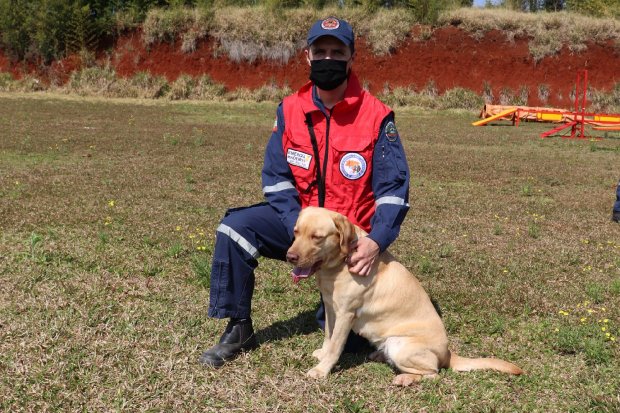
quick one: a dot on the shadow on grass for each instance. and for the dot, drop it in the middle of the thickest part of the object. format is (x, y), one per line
(302, 324)
(356, 350)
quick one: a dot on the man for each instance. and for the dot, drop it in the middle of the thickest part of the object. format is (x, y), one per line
(616, 211)
(333, 145)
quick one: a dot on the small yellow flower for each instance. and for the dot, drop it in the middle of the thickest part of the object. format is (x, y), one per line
(607, 334)
(111, 203)
(612, 338)
(505, 271)
(603, 328)
(16, 182)
(178, 228)
(192, 236)
(583, 319)
(590, 311)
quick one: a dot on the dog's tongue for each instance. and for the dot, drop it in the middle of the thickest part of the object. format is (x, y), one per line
(299, 273)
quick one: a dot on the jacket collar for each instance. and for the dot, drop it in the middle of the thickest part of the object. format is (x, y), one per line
(352, 96)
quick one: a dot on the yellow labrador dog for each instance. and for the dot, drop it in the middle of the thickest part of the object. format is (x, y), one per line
(389, 307)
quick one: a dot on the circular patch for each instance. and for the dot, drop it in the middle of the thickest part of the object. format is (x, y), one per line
(330, 24)
(390, 132)
(353, 166)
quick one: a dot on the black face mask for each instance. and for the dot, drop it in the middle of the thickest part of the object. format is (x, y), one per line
(328, 74)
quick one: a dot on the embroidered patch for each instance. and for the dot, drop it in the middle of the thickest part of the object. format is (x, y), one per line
(353, 166)
(390, 132)
(297, 158)
(330, 24)
(275, 125)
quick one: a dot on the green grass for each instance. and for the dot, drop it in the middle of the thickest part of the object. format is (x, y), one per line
(107, 231)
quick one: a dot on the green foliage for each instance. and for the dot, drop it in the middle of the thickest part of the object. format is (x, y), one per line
(597, 8)
(49, 29)
(428, 11)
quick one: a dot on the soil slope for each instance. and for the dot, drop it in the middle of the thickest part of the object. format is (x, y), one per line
(450, 58)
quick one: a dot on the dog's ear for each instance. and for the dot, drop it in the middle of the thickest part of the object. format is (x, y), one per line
(346, 230)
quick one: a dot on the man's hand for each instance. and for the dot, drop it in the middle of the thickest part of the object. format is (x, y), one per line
(364, 252)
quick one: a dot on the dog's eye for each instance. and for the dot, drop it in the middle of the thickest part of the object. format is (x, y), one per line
(317, 237)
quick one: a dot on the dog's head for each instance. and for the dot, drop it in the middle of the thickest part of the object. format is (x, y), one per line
(322, 240)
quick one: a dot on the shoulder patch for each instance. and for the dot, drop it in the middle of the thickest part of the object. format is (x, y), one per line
(390, 132)
(275, 125)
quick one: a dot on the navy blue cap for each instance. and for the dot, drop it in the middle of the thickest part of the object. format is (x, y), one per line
(332, 26)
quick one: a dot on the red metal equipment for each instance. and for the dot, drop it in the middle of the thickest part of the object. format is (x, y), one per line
(579, 115)
(576, 119)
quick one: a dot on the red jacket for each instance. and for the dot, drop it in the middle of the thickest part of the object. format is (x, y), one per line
(352, 128)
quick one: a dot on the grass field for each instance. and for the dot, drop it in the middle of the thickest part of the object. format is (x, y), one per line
(107, 216)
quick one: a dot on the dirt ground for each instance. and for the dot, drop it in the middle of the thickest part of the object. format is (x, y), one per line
(450, 58)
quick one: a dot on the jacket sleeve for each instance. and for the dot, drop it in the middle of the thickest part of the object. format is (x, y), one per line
(277, 179)
(390, 184)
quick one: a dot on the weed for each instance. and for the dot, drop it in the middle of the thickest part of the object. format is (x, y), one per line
(201, 267)
(543, 93)
(426, 266)
(533, 230)
(175, 250)
(151, 270)
(34, 242)
(595, 292)
(446, 251)
(586, 329)
(171, 138)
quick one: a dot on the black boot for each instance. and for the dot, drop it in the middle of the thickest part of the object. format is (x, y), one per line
(238, 336)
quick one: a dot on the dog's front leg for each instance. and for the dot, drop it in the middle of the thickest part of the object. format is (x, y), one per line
(333, 346)
(330, 316)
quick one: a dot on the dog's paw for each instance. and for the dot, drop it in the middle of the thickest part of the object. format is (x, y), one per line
(317, 373)
(406, 379)
(318, 353)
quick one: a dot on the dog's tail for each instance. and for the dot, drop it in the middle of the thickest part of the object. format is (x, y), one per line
(466, 364)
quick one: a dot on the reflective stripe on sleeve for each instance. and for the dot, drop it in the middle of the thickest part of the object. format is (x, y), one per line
(242, 242)
(281, 186)
(393, 200)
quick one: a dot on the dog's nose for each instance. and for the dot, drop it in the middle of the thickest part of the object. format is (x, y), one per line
(292, 257)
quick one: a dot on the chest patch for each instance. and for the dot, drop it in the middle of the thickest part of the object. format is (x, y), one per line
(297, 158)
(353, 166)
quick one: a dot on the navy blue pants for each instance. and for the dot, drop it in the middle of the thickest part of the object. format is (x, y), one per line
(617, 204)
(243, 235)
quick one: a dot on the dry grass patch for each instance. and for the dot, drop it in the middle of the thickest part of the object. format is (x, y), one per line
(548, 32)
(260, 32)
(108, 212)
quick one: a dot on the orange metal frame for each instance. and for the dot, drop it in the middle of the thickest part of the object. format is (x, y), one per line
(576, 120)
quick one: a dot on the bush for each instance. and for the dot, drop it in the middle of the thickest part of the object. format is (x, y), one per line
(6, 80)
(182, 88)
(92, 81)
(460, 98)
(206, 89)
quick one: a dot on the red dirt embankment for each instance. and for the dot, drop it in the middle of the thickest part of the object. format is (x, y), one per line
(450, 58)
